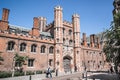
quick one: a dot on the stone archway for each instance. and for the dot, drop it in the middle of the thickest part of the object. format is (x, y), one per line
(67, 63)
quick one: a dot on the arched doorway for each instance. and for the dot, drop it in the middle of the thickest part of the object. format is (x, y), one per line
(67, 63)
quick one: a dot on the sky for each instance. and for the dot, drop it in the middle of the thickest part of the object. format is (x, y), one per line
(95, 15)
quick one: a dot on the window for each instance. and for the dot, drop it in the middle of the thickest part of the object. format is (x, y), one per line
(57, 51)
(22, 47)
(77, 52)
(63, 30)
(10, 45)
(57, 29)
(70, 42)
(100, 62)
(88, 61)
(51, 49)
(57, 40)
(70, 32)
(33, 48)
(50, 62)
(63, 40)
(30, 62)
(43, 49)
(18, 64)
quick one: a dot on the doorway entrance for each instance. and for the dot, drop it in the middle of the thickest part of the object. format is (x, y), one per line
(67, 63)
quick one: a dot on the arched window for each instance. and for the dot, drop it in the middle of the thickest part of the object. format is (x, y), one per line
(43, 49)
(51, 49)
(70, 32)
(63, 30)
(63, 40)
(70, 42)
(33, 48)
(22, 47)
(57, 40)
(10, 45)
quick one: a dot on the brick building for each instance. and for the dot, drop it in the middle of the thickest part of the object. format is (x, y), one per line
(57, 44)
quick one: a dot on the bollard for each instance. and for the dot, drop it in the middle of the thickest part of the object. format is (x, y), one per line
(30, 77)
(93, 78)
(82, 75)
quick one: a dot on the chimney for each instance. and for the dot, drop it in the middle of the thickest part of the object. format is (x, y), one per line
(5, 14)
(91, 41)
(84, 39)
(98, 42)
(4, 22)
(35, 22)
(35, 29)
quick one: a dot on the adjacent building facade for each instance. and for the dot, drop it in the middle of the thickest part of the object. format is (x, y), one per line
(57, 44)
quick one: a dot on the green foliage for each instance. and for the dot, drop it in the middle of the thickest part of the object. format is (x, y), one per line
(5, 74)
(18, 73)
(20, 59)
(38, 72)
(112, 44)
(29, 73)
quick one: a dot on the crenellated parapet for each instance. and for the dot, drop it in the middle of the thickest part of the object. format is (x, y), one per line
(26, 37)
(75, 15)
(49, 26)
(66, 23)
(58, 8)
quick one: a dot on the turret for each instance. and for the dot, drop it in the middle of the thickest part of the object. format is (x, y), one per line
(76, 37)
(58, 37)
(42, 24)
(76, 29)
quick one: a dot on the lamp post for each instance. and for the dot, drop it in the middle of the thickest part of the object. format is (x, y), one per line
(13, 65)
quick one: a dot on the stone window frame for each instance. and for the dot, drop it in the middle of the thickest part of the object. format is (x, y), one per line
(33, 48)
(18, 64)
(50, 62)
(58, 51)
(70, 32)
(70, 42)
(10, 45)
(57, 39)
(43, 47)
(63, 30)
(64, 41)
(23, 47)
(31, 62)
(51, 49)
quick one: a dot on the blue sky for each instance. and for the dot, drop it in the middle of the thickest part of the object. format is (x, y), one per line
(95, 15)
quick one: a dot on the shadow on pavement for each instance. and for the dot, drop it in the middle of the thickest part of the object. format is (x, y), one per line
(104, 76)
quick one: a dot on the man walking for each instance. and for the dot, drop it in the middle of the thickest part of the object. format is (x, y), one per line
(48, 73)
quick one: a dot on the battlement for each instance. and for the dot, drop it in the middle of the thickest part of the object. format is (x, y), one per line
(76, 15)
(67, 23)
(27, 36)
(42, 18)
(58, 8)
(50, 24)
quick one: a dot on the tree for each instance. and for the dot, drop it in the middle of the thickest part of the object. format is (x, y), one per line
(20, 60)
(112, 43)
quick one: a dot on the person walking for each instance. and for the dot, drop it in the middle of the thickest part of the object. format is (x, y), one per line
(48, 72)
